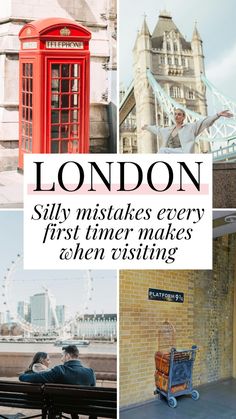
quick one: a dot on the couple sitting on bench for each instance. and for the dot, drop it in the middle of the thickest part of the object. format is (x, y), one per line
(71, 372)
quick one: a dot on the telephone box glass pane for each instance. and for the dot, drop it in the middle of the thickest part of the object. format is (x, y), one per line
(74, 130)
(64, 116)
(27, 106)
(65, 85)
(65, 70)
(64, 101)
(74, 146)
(55, 131)
(74, 85)
(54, 147)
(64, 146)
(55, 70)
(74, 115)
(55, 85)
(64, 131)
(75, 70)
(55, 117)
(74, 101)
(55, 101)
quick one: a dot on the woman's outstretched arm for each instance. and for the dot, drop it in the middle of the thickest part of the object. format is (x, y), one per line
(206, 122)
(151, 128)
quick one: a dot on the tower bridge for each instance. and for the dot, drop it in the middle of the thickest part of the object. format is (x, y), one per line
(127, 103)
(221, 136)
(169, 73)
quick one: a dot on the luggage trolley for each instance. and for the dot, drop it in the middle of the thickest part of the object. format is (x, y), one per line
(173, 376)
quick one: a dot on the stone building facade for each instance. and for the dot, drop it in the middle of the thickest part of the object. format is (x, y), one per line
(128, 142)
(206, 318)
(177, 65)
(100, 18)
(96, 326)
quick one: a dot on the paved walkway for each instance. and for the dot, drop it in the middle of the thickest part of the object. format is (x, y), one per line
(11, 189)
(217, 401)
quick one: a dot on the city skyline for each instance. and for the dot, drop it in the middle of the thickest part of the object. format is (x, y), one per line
(68, 286)
(47, 315)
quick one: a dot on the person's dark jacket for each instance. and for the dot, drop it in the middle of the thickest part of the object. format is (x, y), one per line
(71, 372)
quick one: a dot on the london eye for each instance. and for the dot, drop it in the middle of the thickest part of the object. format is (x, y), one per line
(45, 302)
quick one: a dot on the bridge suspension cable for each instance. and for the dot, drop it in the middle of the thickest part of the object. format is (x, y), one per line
(223, 131)
(219, 99)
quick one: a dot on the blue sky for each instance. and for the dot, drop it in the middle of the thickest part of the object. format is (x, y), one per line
(69, 286)
(215, 22)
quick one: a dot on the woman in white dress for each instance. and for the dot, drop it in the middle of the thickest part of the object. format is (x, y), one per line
(180, 138)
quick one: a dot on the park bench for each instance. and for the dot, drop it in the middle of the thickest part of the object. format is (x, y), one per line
(55, 399)
(94, 402)
(23, 396)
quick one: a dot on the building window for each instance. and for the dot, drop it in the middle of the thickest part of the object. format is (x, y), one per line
(183, 62)
(162, 59)
(175, 46)
(190, 95)
(166, 120)
(175, 92)
(126, 142)
(168, 46)
(176, 61)
(169, 60)
(158, 119)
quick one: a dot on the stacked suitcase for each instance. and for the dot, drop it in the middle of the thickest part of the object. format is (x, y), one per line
(173, 375)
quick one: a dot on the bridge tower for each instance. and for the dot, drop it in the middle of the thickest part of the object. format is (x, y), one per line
(144, 99)
(199, 67)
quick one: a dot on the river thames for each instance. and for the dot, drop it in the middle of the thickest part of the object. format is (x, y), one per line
(94, 347)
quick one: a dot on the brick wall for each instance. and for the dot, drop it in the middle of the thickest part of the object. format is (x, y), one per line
(213, 313)
(205, 319)
(224, 178)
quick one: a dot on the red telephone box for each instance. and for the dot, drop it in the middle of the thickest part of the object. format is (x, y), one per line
(54, 88)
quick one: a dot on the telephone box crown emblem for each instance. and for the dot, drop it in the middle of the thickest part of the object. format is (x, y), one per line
(65, 31)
